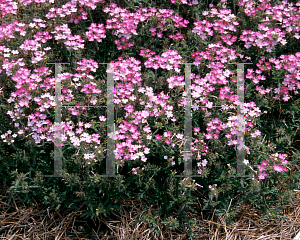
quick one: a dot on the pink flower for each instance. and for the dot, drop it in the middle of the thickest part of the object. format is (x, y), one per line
(167, 141)
(147, 129)
(262, 175)
(208, 136)
(169, 134)
(278, 168)
(180, 136)
(102, 118)
(157, 136)
(264, 163)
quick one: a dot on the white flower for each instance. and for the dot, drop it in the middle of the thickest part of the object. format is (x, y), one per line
(180, 136)
(32, 25)
(111, 135)
(102, 118)
(283, 42)
(169, 114)
(147, 151)
(134, 156)
(93, 101)
(225, 107)
(195, 107)
(207, 114)
(246, 161)
(209, 105)
(165, 157)
(177, 70)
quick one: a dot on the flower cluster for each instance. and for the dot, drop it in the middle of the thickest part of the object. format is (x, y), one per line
(126, 23)
(175, 81)
(203, 28)
(27, 2)
(121, 152)
(284, 13)
(70, 8)
(214, 190)
(201, 89)
(42, 36)
(66, 9)
(73, 42)
(89, 156)
(137, 170)
(249, 6)
(89, 3)
(216, 51)
(278, 164)
(66, 31)
(136, 129)
(177, 36)
(168, 60)
(229, 39)
(9, 139)
(123, 43)
(87, 65)
(233, 122)
(84, 137)
(214, 125)
(7, 30)
(163, 15)
(90, 86)
(194, 2)
(8, 6)
(38, 56)
(127, 70)
(8, 65)
(96, 32)
(269, 39)
(30, 45)
(123, 21)
(291, 81)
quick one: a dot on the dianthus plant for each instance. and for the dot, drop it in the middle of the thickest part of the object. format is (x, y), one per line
(217, 33)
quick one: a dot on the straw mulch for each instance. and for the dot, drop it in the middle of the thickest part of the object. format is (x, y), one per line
(18, 221)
